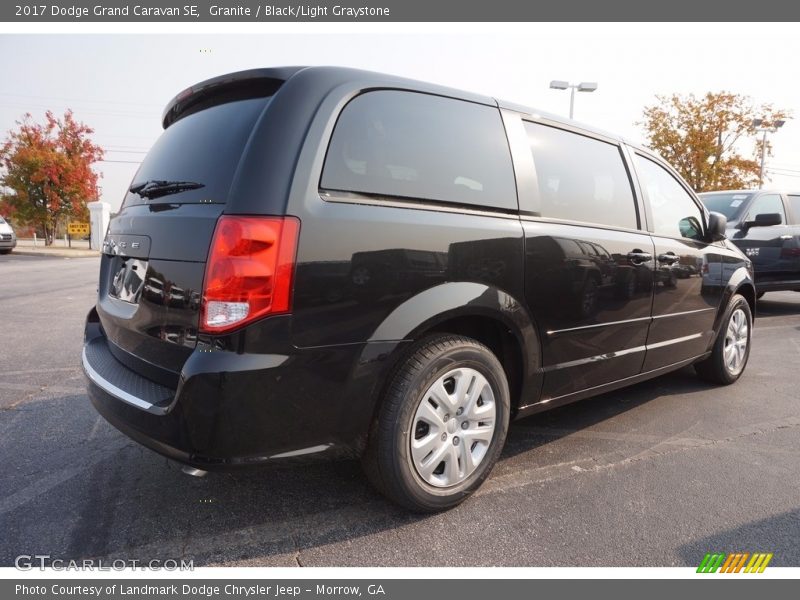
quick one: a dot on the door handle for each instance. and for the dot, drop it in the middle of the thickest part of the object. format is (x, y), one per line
(668, 258)
(637, 257)
(786, 237)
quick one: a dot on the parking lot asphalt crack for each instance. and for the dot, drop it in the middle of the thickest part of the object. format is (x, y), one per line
(52, 480)
(678, 444)
(667, 446)
(296, 547)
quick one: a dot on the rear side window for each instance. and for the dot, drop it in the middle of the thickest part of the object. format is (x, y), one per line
(794, 203)
(419, 146)
(204, 147)
(581, 178)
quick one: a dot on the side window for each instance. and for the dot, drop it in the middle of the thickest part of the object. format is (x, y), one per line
(766, 204)
(419, 146)
(794, 202)
(581, 178)
(674, 212)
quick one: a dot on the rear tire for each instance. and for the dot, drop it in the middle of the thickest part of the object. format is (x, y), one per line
(441, 425)
(732, 348)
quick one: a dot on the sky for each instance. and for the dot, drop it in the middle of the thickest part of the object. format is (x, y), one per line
(118, 84)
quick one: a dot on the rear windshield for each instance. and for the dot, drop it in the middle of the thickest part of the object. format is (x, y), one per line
(204, 148)
(729, 204)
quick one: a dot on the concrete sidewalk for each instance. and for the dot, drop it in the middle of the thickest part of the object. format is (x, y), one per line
(80, 249)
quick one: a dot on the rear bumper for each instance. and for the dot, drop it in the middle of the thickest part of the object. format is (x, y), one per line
(234, 410)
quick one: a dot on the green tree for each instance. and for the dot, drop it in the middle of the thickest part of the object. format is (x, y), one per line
(47, 173)
(710, 140)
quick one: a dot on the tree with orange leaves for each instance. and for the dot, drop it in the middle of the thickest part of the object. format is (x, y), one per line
(47, 173)
(709, 139)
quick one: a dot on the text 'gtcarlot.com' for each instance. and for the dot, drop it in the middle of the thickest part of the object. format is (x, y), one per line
(27, 562)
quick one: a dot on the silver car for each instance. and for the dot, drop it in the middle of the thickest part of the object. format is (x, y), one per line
(8, 239)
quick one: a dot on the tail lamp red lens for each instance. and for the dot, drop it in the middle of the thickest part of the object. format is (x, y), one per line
(250, 271)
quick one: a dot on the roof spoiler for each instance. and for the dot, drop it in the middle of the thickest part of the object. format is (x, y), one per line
(253, 83)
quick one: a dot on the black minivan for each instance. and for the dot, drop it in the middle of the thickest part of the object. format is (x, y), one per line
(323, 262)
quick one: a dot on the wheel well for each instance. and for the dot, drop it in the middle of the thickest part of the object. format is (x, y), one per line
(749, 293)
(498, 338)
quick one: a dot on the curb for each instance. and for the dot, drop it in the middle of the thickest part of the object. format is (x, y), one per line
(55, 253)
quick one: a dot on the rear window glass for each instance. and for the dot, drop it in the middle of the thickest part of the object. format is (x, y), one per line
(729, 204)
(204, 147)
(794, 203)
(418, 146)
(581, 178)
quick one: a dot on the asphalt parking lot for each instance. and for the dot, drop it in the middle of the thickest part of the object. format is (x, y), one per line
(655, 475)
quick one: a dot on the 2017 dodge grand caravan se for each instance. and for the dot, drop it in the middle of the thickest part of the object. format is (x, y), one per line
(320, 262)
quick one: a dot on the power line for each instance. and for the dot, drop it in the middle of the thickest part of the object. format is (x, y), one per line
(90, 100)
(126, 151)
(777, 168)
(123, 147)
(782, 174)
(130, 162)
(83, 110)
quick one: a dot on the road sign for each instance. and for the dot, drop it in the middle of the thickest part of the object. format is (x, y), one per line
(81, 229)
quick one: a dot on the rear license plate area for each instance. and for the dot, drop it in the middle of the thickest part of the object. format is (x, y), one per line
(127, 279)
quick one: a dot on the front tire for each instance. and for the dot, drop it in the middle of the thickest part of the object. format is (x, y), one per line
(732, 348)
(441, 426)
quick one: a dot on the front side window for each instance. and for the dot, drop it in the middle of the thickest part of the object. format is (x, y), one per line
(581, 178)
(674, 212)
(765, 205)
(423, 147)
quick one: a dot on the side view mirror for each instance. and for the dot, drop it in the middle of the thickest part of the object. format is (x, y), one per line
(766, 220)
(717, 224)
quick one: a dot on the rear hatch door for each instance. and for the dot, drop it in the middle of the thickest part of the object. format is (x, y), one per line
(156, 248)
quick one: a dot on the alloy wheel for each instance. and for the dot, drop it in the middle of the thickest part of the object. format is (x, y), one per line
(736, 338)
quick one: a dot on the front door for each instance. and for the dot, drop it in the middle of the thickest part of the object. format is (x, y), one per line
(688, 270)
(772, 248)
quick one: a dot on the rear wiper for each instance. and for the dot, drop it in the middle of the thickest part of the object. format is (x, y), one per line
(155, 188)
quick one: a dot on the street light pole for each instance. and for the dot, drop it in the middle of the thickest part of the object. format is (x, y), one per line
(764, 128)
(584, 86)
(571, 101)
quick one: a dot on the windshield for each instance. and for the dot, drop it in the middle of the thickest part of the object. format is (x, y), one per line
(729, 204)
(2, 221)
(196, 157)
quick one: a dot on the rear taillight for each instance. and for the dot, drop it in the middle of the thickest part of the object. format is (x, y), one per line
(250, 271)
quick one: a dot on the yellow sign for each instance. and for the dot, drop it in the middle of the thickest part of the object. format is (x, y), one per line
(78, 229)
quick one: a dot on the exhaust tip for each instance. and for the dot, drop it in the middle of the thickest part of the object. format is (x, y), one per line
(194, 472)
